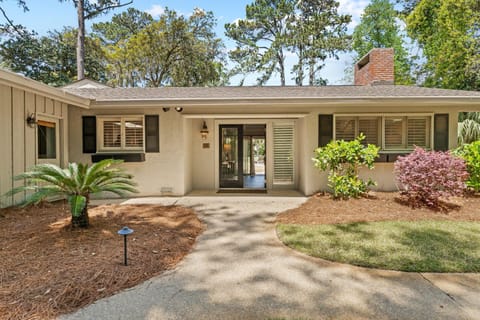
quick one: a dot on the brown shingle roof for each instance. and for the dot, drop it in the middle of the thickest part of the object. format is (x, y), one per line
(266, 92)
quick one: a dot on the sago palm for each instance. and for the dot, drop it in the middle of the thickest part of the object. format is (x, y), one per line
(75, 183)
(468, 127)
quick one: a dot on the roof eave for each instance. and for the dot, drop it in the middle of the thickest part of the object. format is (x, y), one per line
(17, 81)
(305, 101)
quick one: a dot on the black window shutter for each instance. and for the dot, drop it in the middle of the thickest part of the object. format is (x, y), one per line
(152, 133)
(325, 129)
(89, 133)
(440, 132)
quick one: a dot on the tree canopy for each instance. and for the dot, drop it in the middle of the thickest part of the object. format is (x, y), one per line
(114, 37)
(86, 10)
(51, 58)
(379, 28)
(448, 32)
(311, 29)
(289, 38)
(9, 26)
(317, 33)
(173, 50)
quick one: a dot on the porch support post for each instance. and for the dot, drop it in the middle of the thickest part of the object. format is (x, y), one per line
(252, 159)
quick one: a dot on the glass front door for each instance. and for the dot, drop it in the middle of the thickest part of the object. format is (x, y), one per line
(231, 156)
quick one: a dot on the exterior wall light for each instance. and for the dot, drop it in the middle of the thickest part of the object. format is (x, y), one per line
(31, 120)
(166, 109)
(204, 131)
(125, 231)
(178, 109)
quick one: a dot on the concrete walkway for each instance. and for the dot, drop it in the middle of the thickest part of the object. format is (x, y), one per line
(239, 270)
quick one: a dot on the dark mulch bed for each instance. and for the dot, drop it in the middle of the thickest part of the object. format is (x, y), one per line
(382, 206)
(48, 269)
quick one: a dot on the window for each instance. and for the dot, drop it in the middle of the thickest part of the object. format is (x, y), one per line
(121, 133)
(348, 128)
(391, 132)
(345, 128)
(47, 140)
(404, 133)
(394, 133)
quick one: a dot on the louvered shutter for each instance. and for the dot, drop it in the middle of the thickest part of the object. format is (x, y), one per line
(418, 132)
(152, 137)
(283, 153)
(394, 133)
(371, 129)
(325, 129)
(89, 134)
(440, 136)
(133, 133)
(112, 133)
(345, 128)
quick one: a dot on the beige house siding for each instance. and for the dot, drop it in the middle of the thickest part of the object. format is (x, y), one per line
(203, 164)
(188, 155)
(183, 163)
(312, 180)
(162, 173)
(18, 141)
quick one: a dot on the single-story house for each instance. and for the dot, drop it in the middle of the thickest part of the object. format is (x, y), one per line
(178, 140)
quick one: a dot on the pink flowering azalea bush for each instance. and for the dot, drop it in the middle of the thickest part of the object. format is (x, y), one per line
(426, 176)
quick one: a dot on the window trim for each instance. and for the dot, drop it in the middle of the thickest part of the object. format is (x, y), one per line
(382, 126)
(57, 121)
(122, 119)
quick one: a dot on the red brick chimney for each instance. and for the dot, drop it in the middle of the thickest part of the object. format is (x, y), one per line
(376, 67)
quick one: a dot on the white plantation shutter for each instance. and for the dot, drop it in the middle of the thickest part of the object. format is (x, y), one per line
(370, 127)
(394, 137)
(345, 128)
(133, 133)
(121, 133)
(418, 132)
(283, 153)
(400, 132)
(112, 134)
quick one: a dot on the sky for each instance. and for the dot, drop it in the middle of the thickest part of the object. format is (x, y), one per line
(45, 15)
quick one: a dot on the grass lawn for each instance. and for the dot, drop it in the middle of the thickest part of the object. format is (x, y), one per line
(416, 246)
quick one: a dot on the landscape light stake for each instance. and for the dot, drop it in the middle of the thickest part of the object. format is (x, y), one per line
(125, 231)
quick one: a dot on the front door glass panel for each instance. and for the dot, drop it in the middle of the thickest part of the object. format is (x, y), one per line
(231, 159)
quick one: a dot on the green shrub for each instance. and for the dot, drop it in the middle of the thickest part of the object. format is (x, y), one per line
(343, 159)
(470, 153)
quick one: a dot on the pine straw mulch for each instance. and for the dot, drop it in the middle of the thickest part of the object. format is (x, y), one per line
(48, 269)
(381, 206)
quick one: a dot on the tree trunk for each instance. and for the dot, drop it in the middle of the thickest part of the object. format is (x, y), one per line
(311, 76)
(81, 221)
(281, 64)
(300, 74)
(81, 40)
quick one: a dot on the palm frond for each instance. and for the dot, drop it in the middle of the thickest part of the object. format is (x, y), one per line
(76, 182)
(119, 189)
(99, 168)
(468, 131)
(41, 194)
